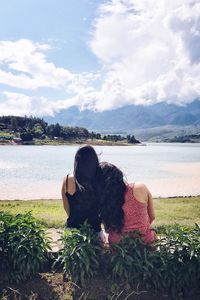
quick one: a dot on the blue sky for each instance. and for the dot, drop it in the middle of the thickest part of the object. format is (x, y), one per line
(97, 54)
(66, 24)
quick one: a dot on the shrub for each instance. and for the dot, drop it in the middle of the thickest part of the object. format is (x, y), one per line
(26, 136)
(129, 259)
(80, 253)
(23, 246)
(172, 265)
(176, 264)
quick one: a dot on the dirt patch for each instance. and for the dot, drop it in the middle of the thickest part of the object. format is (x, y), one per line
(51, 286)
(42, 286)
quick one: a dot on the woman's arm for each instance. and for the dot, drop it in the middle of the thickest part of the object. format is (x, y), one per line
(151, 211)
(143, 195)
(64, 198)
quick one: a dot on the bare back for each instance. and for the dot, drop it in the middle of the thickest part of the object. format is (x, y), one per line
(143, 195)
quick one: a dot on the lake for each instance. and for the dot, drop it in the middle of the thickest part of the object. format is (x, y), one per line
(36, 172)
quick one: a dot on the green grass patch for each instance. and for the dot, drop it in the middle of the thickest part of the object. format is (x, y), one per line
(49, 212)
(2, 133)
(184, 211)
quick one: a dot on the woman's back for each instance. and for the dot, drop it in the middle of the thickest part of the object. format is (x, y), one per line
(78, 190)
(81, 210)
(136, 214)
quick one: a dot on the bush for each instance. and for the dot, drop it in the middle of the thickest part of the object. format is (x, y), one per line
(177, 260)
(80, 253)
(23, 246)
(172, 265)
(129, 259)
(26, 136)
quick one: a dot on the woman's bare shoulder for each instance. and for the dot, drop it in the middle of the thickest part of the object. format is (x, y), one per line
(140, 192)
(70, 177)
(71, 184)
(68, 182)
(139, 186)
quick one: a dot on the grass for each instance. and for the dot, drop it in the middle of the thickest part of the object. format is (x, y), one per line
(49, 212)
(95, 142)
(184, 211)
(2, 133)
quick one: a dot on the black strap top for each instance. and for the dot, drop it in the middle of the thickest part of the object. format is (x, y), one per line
(79, 212)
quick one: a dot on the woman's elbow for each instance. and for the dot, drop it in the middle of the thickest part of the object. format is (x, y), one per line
(152, 218)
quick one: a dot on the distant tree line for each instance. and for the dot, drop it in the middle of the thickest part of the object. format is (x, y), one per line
(29, 128)
(191, 138)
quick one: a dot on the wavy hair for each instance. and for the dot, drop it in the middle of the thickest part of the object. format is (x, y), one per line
(111, 190)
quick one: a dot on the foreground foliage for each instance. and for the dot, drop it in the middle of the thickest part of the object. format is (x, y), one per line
(23, 246)
(80, 253)
(170, 265)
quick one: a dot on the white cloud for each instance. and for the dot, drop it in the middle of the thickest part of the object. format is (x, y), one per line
(24, 65)
(28, 67)
(150, 50)
(20, 105)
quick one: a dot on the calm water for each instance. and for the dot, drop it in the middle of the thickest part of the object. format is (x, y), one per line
(35, 172)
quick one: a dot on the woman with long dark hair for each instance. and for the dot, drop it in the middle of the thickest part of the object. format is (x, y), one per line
(78, 190)
(124, 207)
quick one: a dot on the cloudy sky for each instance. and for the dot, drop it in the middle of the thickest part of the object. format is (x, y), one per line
(97, 54)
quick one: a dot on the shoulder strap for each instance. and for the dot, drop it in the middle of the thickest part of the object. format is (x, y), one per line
(67, 183)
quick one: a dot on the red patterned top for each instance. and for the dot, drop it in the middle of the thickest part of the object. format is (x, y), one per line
(135, 218)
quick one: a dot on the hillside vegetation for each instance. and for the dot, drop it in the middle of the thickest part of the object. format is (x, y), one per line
(35, 130)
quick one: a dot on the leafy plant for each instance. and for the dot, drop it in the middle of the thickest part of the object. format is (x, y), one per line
(23, 246)
(176, 263)
(129, 258)
(171, 264)
(80, 253)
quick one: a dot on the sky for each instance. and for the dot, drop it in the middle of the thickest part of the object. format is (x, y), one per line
(97, 54)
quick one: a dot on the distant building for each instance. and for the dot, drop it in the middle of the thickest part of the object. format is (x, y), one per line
(17, 139)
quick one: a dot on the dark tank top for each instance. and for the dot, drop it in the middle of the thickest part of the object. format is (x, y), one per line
(79, 213)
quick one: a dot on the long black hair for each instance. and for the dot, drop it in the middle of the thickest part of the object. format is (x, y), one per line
(85, 167)
(111, 191)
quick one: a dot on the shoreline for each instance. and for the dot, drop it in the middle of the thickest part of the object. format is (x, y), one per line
(72, 143)
(90, 142)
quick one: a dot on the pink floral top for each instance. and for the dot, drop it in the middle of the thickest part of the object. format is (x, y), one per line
(135, 218)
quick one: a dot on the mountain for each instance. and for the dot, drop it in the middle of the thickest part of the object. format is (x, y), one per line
(129, 118)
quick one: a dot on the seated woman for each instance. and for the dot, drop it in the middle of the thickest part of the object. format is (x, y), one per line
(124, 207)
(78, 193)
